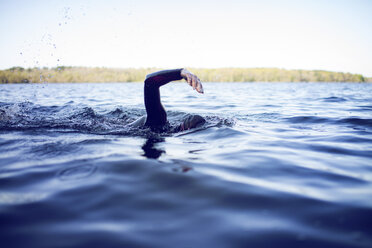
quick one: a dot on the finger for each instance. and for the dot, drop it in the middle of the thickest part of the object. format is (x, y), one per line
(194, 82)
(200, 88)
(189, 80)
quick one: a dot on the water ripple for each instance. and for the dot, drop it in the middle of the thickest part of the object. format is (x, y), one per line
(276, 164)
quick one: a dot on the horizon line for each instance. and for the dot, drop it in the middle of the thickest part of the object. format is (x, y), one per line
(191, 67)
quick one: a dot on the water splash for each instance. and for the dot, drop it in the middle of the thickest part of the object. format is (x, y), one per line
(27, 116)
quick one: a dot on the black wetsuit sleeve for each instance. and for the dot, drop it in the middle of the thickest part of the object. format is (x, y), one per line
(156, 115)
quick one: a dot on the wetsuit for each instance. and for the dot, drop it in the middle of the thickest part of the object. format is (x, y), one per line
(156, 115)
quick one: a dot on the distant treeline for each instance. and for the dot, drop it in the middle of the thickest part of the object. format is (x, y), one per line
(64, 74)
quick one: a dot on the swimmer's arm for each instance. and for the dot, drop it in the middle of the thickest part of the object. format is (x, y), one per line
(156, 114)
(160, 78)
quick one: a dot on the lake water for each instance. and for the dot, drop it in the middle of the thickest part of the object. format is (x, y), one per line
(276, 165)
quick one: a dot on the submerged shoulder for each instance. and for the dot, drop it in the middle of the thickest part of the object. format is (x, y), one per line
(139, 122)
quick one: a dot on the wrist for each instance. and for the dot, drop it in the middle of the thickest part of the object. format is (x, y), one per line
(183, 73)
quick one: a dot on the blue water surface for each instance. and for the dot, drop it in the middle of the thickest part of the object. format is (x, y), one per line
(275, 165)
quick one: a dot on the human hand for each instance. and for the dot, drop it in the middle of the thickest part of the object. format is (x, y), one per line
(192, 80)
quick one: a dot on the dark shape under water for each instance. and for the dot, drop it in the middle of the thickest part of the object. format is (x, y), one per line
(150, 150)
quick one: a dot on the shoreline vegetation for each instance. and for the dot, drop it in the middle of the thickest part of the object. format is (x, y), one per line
(68, 74)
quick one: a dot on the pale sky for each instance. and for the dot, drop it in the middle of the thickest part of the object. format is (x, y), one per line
(334, 35)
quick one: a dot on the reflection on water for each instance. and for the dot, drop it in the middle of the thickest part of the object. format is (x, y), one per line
(275, 165)
(150, 148)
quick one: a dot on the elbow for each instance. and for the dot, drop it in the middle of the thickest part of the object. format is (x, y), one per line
(148, 80)
(149, 83)
(154, 81)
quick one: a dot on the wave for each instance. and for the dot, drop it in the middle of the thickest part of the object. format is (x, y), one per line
(334, 99)
(356, 121)
(353, 121)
